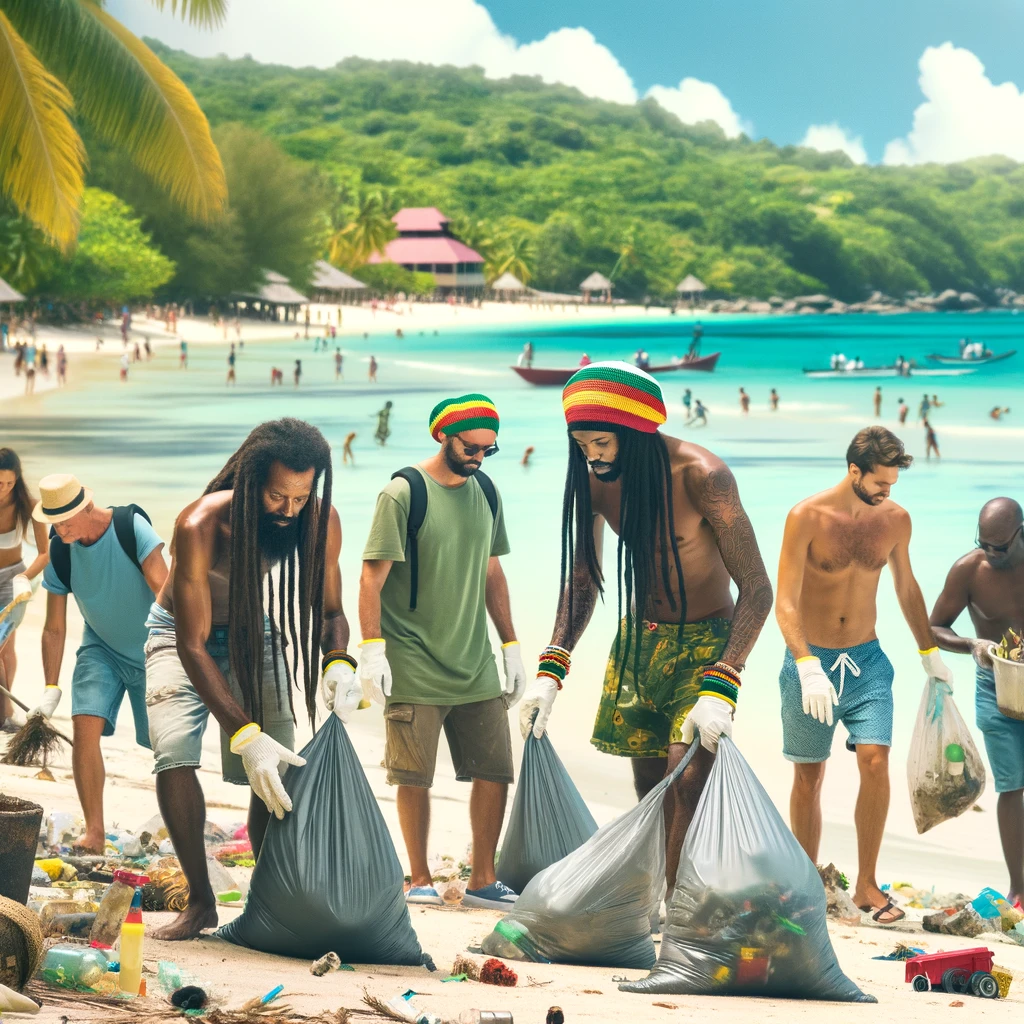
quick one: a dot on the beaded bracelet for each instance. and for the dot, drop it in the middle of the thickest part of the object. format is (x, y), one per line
(340, 655)
(554, 663)
(722, 681)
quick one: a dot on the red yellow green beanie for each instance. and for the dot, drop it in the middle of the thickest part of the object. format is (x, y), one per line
(616, 393)
(468, 412)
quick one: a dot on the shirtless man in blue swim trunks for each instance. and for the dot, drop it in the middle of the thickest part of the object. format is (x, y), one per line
(833, 551)
(989, 583)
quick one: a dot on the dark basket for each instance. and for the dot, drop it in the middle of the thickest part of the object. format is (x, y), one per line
(20, 821)
(21, 944)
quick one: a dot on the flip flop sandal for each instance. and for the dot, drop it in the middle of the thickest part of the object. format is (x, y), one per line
(888, 908)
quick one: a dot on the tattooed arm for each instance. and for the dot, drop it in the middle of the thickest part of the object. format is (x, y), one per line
(585, 592)
(718, 501)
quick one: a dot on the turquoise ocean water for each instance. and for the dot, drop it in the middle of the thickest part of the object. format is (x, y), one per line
(158, 439)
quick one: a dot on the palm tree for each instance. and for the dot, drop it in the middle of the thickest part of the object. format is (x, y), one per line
(59, 55)
(513, 254)
(369, 230)
(629, 252)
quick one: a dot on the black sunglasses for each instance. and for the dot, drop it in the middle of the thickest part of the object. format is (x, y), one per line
(997, 549)
(472, 449)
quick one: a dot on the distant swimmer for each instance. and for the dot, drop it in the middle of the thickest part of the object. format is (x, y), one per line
(383, 425)
(297, 372)
(373, 369)
(834, 548)
(147, 348)
(339, 359)
(99, 343)
(584, 359)
(904, 410)
(998, 413)
(124, 366)
(687, 402)
(922, 409)
(931, 442)
(936, 404)
(276, 376)
(744, 401)
(346, 449)
(183, 354)
(231, 366)
(878, 402)
(773, 400)
(700, 414)
(526, 455)
(399, 334)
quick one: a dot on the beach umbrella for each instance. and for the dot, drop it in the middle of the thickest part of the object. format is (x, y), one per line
(8, 294)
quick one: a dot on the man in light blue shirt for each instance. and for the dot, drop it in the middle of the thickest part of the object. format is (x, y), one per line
(112, 561)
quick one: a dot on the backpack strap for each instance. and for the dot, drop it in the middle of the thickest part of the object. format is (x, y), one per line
(417, 513)
(490, 492)
(124, 529)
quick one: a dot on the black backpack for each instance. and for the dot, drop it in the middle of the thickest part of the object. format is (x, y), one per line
(124, 528)
(418, 512)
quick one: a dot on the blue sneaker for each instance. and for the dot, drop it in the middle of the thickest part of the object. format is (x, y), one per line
(497, 896)
(423, 894)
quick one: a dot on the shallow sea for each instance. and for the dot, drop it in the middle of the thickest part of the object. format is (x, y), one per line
(158, 439)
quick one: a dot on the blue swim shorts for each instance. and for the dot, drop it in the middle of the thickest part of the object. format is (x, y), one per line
(99, 682)
(862, 676)
(1004, 737)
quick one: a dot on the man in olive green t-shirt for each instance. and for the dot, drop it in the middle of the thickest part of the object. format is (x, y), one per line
(432, 665)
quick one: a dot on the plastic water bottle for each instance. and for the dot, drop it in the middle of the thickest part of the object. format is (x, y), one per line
(486, 1017)
(132, 932)
(74, 966)
(113, 907)
(512, 941)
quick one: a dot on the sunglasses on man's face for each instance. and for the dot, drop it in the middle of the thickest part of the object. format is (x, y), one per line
(472, 449)
(998, 549)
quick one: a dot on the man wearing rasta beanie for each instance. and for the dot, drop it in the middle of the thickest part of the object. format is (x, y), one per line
(682, 537)
(430, 661)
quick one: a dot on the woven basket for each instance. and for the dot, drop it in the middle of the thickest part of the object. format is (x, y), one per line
(21, 944)
(19, 837)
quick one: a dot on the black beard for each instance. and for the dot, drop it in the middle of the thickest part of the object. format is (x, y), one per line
(277, 542)
(460, 468)
(612, 471)
(867, 498)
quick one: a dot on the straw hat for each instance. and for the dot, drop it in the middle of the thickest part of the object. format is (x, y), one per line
(61, 496)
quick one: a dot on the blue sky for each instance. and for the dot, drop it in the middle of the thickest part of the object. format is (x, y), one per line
(901, 80)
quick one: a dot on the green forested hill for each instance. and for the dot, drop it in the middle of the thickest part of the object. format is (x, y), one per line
(573, 184)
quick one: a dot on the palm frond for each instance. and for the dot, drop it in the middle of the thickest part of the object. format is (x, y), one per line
(41, 155)
(201, 13)
(130, 97)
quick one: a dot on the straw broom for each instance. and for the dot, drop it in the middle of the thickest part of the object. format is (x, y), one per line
(34, 740)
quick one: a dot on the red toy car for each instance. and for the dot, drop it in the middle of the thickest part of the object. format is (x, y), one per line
(957, 972)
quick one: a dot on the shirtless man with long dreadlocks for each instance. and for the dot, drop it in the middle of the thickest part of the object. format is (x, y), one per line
(683, 535)
(212, 650)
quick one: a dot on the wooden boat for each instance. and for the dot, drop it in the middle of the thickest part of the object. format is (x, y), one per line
(978, 361)
(551, 377)
(888, 371)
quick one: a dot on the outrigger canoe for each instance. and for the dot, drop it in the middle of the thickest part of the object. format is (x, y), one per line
(552, 377)
(978, 361)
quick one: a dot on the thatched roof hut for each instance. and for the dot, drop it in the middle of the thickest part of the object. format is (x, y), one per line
(691, 285)
(508, 282)
(8, 294)
(328, 278)
(596, 283)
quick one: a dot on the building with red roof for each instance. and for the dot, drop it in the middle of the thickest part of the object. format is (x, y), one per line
(425, 243)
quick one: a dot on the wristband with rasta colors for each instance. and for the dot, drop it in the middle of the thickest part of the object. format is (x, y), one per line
(244, 737)
(554, 663)
(340, 655)
(722, 681)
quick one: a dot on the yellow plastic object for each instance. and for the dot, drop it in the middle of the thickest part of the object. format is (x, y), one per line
(53, 866)
(131, 957)
(1004, 978)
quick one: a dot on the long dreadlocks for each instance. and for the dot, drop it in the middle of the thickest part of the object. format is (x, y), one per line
(300, 447)
(646, 522)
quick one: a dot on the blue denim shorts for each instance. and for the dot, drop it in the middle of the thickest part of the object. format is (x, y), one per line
(862, 676)
(1004, 737)
(100, 680)
(178, 716)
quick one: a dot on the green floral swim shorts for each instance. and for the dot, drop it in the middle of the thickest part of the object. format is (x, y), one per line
(642, 716)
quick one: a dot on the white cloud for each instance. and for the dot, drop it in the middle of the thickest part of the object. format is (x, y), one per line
(318, 33)
(695, 101)
(827, 138)
(964, 114)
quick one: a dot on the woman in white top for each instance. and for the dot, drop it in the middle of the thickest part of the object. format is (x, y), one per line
(15, 518)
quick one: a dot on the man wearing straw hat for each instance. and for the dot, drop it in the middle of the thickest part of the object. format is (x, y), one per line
(989, 583)
(111, 559)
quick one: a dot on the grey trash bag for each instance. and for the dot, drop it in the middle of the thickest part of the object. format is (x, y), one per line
(747, 915)
(549, 818)
(328, 878)
(594, 907)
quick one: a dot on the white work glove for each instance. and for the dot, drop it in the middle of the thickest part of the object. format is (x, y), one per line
(261, 759)
(936, 668)
(819, 694)
(539, 697)
(47, 706)
(515, 673)
(340, 690)
(374, 670)
(18, 604)
(712, 716)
